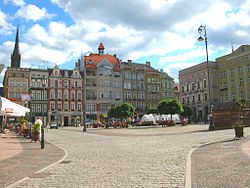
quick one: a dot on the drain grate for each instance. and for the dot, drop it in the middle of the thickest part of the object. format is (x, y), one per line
(65, 162)
(40, 175)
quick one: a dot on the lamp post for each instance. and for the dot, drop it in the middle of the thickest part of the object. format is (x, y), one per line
(44, 83)
(84, 85)
(201, 29)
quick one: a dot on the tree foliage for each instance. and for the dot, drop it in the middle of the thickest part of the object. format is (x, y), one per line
(170, 106)
(152, 111)
(123, 111)
(187, 112)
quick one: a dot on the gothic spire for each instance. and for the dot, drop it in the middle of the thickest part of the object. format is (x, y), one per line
(16, 56)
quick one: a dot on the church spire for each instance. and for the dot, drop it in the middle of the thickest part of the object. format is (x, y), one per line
(16, 56)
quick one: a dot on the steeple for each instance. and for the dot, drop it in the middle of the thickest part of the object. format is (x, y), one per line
(16, 56)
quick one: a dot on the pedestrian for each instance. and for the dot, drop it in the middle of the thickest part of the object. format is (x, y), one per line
(38, 121)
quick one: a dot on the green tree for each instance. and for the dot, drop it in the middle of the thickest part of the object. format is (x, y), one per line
(152, 111)
(127, 110)
(170, 106)
(187, 112)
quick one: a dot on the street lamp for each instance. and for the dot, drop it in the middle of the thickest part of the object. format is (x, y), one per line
(84, 84)
(200, 30)
(44, 83)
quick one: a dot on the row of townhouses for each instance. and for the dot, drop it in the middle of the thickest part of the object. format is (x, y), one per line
(98, 82)
(227, 79)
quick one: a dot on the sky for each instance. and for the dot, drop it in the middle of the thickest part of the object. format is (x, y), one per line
(164, 32)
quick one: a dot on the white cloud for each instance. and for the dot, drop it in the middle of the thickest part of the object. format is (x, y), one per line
(5, 25)
(15, 2)
(133, 30)
(32, 12)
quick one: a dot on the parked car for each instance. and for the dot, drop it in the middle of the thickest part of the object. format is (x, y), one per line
(53, 125)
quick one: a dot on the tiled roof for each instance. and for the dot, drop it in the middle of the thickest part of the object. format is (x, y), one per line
(97, 58)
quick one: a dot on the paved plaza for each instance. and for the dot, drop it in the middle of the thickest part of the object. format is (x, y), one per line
(134, 157)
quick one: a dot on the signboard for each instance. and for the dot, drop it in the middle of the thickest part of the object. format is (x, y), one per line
(25, 97)
(8, 110)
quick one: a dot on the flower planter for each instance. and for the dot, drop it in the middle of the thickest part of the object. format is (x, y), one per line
(239, 133)
(34, 136)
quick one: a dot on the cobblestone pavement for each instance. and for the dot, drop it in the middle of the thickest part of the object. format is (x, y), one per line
(149, 157)
(226, 166)
(31, 159)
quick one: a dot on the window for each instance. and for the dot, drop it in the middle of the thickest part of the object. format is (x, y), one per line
(52, 106)
(72, 96)
(205, 83)
(59, 95)
(240, 70)
(79, 96)
(38, 108)
(59, 106)
(12, 83)
(79, 107)
(65, 83)
(72, 106)
(65, 95)
(182, 88)
(79, 84)
(205, 96)
(52, 95)
(241, 82)
(65, 106)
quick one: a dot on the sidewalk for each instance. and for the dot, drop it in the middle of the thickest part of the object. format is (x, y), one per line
(19, 158)
(9, 145)
(222, 164)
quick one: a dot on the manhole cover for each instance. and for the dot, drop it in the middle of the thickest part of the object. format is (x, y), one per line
(40, 175)
(65, 162)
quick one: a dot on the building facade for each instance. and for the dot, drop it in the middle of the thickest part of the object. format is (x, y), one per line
(103, 83)
(38, 88)
(167, 85)
(65, 96)
(234, 75)
(196, 92)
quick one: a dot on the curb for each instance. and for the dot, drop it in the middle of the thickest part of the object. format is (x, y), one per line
(43, 169)
(188, 182)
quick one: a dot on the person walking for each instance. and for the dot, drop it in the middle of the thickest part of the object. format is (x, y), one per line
(39, 121)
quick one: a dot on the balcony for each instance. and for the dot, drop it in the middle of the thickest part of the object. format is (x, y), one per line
(223, 89)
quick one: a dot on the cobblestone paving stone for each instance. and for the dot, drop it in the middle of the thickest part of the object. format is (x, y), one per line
(150, 157)
(225, 166)
(31, 159)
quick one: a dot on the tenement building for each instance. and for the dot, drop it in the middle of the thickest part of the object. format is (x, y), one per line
(103, 83)
(234, 75)
(197, 91)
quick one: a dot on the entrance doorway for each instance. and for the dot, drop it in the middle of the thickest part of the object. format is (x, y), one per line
(66, 121)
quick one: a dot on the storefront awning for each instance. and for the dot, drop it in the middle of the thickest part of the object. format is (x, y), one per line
(9, 108)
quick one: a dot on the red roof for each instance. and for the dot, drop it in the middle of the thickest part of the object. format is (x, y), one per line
(97, 58)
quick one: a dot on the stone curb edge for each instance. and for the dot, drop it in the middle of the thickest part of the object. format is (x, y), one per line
(43, 169)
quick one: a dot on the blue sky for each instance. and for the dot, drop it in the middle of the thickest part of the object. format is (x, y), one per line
(164, 32)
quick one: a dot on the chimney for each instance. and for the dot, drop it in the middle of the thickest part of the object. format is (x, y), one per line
(148, 63)
(129, 61)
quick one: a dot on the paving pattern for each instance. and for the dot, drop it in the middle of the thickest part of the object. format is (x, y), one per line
(149, 157)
